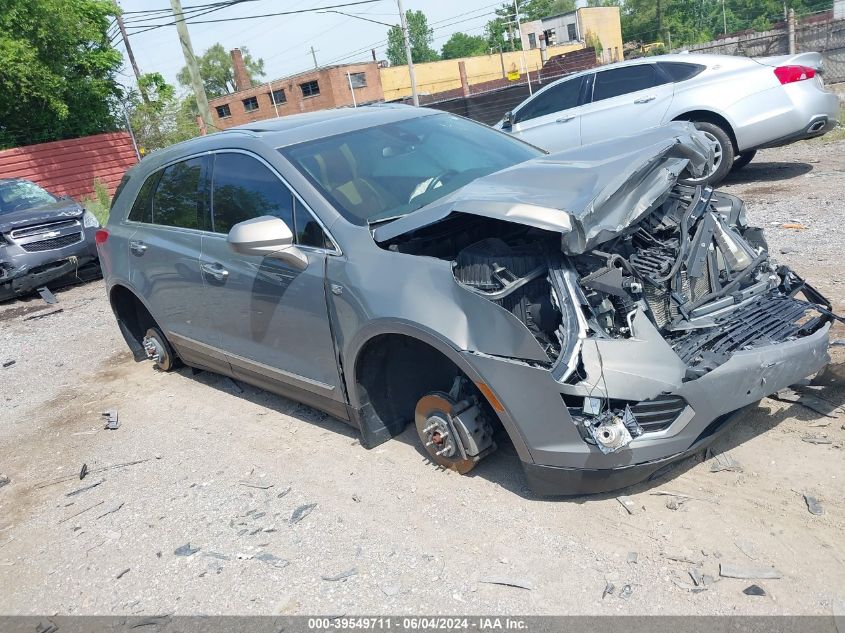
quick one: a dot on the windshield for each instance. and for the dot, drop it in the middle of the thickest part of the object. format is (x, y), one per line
(388, 171)
(20, 195)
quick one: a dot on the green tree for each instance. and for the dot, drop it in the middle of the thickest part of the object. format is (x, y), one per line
(420, 34)
(538, 9)
(216, 70)
(164, 119)
(463, 45)
(57, 70)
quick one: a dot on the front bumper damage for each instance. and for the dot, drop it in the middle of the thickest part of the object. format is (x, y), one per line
(657, 305)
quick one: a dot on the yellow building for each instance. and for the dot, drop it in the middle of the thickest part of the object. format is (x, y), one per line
(578, 26)
(433, 77)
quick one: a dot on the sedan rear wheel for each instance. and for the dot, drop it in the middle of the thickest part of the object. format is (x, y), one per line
(158, 349)
(723, 154)
(743, 159)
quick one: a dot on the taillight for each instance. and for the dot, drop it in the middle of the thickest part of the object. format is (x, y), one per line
(790, 74)
(101, 236)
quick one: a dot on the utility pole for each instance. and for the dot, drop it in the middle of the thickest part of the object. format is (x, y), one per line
(191, 62)
(724, 18)
(404, 25)
(790, 25)
(314, 57)
(522, 52)
(132, 61)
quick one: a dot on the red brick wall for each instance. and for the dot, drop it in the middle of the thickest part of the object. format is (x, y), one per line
(70, 167)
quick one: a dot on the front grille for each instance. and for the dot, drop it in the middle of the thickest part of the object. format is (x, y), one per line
(53, 243)
(43, 228)
(658, 413)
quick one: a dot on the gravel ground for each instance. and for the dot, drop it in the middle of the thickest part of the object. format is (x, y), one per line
(229, 471)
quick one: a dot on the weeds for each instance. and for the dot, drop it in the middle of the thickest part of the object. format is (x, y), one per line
(98, 202)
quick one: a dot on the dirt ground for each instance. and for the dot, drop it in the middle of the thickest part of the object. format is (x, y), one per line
(224, 469)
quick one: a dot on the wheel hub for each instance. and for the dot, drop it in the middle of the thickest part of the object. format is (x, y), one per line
(153, 349)
(437, 437)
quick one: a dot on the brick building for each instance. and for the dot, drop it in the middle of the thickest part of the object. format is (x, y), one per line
(319, 89)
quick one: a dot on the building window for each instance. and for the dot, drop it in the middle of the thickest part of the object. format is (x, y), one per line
(251, 104)
(277, 96)
(532, 41)
(223, 111)
(570, 31)
(310, 88)
(358, 80)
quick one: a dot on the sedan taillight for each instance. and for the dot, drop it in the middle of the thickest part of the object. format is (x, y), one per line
(790, 74)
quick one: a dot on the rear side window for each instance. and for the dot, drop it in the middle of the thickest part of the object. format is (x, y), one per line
(244, 188)
(142, 209)
(681, 71)
(621, 81)
(562, 96)
(177, 198)
(120, 187)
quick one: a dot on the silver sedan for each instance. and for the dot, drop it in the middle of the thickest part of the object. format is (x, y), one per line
(740, 104)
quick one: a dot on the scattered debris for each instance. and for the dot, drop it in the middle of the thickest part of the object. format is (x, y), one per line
(747, 548)
(633, 557)
(820, 405)
(723, 461)
(216, 555)
(813, 505)
(793, 225)
(49, 627)
(41, 315)
(112, 511)
(122, 574)
(727, 570)
(837, 342)
(813, 439)
(81, 511)
(301, 512)
(609, 588)
(697, 577)
(259, 485)
(342, 575)
(754, 590)
(86, 488)
(680, 558)
(283, 493)
(59, 480)
(393, 588)
(627, 503)
(356, 498)
(674, 504)
(669, 493)
(186, 550)
(506, 582)
(110, 417)
(272, 559)
(626, 592)
(4, 480)
(9, 363)
(83, 471)
(46, 295)
(158, 621)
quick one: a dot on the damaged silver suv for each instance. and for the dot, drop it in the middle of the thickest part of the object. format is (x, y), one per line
(390, 265)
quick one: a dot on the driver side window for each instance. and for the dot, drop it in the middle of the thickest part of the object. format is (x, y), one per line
(559, 97)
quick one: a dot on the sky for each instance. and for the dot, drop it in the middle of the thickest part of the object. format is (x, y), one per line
(284, 41)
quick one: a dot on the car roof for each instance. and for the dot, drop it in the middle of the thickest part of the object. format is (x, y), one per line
(291, 130)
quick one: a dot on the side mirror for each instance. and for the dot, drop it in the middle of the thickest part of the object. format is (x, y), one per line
(267, 236)
(508, 120)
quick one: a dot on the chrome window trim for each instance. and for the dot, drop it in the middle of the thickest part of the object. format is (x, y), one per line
(335, 251)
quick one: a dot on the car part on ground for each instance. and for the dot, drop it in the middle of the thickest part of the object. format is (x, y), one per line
(606, 318)
(742, 104)
(44, 240)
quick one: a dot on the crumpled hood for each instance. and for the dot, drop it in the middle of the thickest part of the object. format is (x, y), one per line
(588, 194)
(59, 210)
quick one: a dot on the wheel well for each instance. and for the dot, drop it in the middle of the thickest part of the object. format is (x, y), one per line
(133, 319)
(710, 117)
(392, 372)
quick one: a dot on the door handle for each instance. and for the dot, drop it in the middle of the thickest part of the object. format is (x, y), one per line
(645, 99)
(215, 270)
(565, 118)
(137, 247)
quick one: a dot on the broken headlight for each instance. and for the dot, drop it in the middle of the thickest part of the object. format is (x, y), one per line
(89, 221)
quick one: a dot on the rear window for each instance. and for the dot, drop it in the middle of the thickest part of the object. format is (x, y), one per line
(681, 71)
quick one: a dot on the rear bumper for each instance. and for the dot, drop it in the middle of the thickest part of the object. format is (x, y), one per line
(819, 125)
